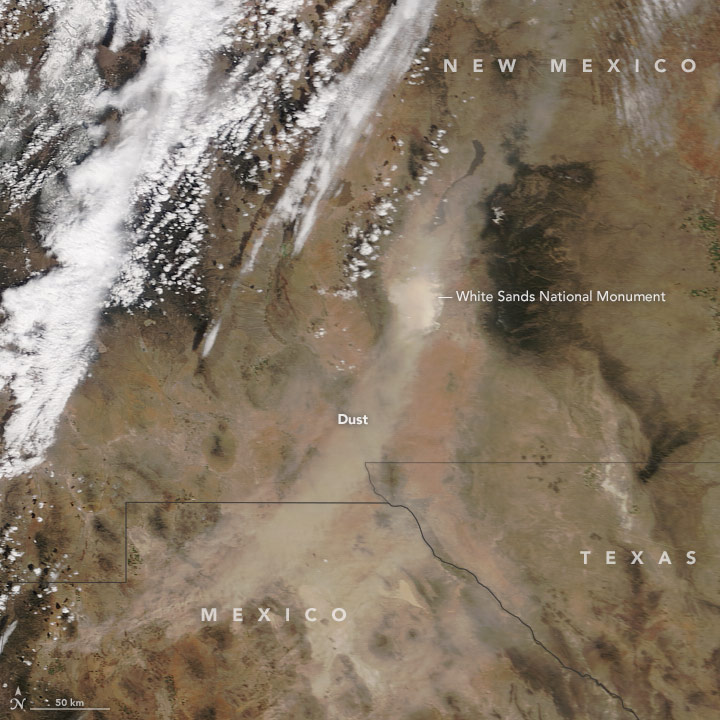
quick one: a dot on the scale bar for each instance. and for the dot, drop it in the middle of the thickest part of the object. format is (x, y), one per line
(67, 709)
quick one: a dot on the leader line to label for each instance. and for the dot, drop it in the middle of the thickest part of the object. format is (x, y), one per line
(445, 297)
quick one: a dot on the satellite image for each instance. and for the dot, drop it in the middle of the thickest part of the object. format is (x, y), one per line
(360, 359)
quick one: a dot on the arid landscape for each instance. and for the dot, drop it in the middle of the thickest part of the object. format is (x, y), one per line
(197, 461)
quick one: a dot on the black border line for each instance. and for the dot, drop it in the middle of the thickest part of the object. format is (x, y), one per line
(45, 581)
(449, 563)
(538, 463)
(384, 501)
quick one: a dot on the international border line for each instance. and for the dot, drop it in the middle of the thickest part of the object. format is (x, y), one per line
(384, 501)
(489, 590)
(64, 581)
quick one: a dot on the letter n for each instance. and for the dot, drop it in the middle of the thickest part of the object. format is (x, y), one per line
(450, 65)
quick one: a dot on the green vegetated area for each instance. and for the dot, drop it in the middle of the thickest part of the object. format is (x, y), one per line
(134, 559)
(708, 228)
